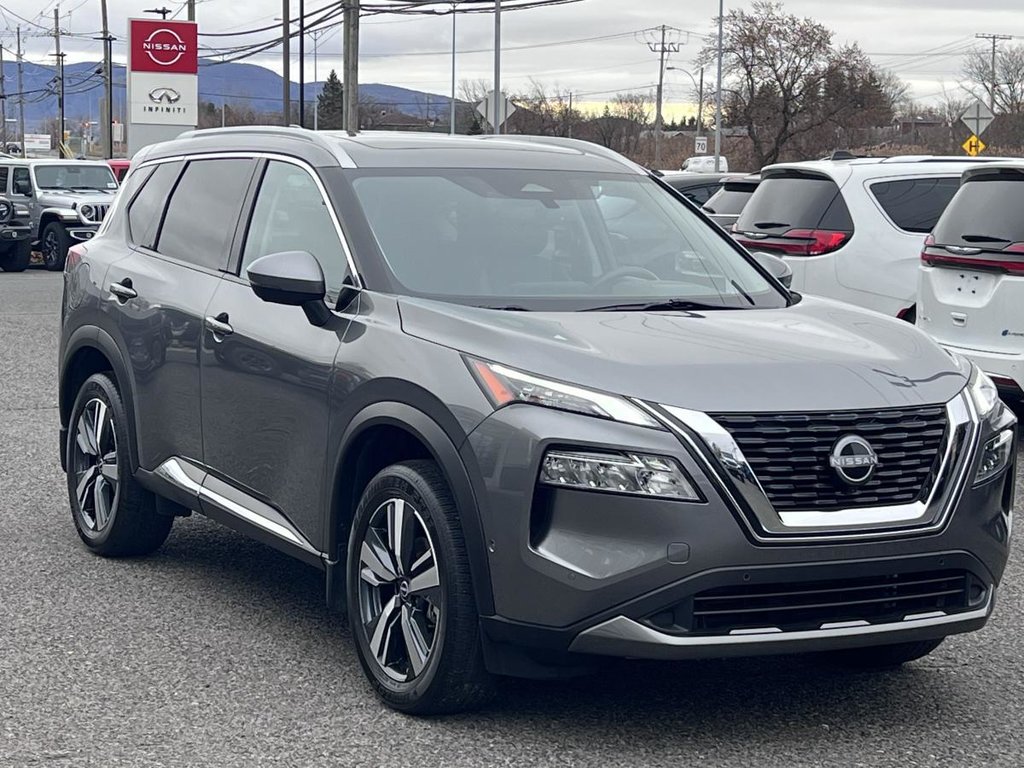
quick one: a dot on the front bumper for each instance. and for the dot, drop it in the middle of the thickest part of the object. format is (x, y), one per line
(584, 573)
(81, 233)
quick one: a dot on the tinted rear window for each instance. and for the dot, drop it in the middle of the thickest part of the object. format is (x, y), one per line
(729, 201)
(795, 202)
(987, 207)
(915, 205)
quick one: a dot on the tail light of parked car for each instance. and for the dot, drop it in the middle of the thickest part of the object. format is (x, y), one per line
(798, 242)
(75, 254)
(975, 258)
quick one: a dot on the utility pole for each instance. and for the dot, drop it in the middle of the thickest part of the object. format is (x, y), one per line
(718, 93)
(569, 121)
(107, 114)
(302, 63)
(21, 95)
(191, 10)
(451, 106)
(499, 100)
(352, 66)
(286, 61)
(661, 48)
(60, 83)
(3, 102)
(700, 104)
(995, 80)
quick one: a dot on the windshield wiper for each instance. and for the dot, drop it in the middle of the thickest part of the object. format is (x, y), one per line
(770, 224)
(984, 239)
(507, 308)
(743, 293)
(665, 305)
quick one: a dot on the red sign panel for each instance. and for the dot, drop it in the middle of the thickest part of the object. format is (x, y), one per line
(164, 46)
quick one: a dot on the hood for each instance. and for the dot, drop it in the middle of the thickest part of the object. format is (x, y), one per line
(816, 355)
(71, 199)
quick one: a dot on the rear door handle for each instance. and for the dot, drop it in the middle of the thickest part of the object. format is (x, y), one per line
(219, 325)
(123, 290)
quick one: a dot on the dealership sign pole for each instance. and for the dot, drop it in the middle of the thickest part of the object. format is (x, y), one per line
(163, 80)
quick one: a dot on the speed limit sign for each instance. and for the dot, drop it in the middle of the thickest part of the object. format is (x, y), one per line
(700, 145)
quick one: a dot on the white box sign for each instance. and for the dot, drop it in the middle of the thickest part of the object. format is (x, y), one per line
(160, 98)
(38, 142)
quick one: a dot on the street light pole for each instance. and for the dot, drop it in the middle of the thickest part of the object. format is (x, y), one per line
(451, 106)
(498, 100)
(718, 94)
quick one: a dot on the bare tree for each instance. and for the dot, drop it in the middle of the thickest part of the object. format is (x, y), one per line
(790, 88)
(1009, 85)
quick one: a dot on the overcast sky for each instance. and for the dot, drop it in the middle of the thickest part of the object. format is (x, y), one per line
(921, 40)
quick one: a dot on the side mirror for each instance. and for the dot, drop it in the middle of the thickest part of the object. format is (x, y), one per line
(292, 278)
(779, 269)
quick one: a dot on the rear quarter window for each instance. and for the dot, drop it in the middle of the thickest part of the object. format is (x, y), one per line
(915, 205)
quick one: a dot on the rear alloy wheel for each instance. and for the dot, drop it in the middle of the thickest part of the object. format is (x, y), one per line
(17, 258)
(884, 656)
(113, 514)
(54, 246)
(410, 595)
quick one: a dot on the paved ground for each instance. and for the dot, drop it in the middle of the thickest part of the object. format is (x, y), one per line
(218, 651)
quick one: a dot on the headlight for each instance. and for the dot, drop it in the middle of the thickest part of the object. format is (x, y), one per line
(87, 212)
(504, 386)
(633, 473)
(995, 456)
(983, 393)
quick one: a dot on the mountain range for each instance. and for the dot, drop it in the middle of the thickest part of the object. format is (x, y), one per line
(237, 84)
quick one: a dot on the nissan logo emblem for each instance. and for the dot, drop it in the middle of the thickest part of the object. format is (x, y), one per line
(853, 459)
(164, 47)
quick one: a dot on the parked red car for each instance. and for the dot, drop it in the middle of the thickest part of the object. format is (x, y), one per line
(120, 167)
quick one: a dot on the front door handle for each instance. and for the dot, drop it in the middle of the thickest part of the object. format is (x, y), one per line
(123, 290)
(219, 325)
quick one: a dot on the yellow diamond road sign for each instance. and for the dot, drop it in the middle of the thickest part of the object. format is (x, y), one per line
(974, 146)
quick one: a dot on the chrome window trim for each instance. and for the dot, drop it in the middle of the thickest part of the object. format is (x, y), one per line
(241, 155)
(729, 470)
(622, 636)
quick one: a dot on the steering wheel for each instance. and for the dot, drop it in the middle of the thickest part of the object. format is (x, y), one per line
(620, 272)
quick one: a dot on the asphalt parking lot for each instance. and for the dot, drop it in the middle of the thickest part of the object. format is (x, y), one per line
(219, 651)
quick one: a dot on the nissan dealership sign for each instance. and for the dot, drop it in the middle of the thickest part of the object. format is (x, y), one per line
(163, 82)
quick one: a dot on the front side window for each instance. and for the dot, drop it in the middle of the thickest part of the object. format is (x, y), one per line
(554, 240)
(74, 177)
(203, 212)
(291, 215)
(914, 205)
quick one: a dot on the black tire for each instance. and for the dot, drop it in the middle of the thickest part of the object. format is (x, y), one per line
(115, 516)
(452, 676)
(884, 656)
(54, 245)
(17, 258)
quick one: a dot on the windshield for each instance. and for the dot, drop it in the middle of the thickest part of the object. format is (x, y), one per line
(75, 177)
(551, 240)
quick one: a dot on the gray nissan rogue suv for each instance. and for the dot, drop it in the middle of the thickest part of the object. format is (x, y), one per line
(524, 408)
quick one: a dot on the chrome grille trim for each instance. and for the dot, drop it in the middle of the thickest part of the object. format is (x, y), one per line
(727, 467)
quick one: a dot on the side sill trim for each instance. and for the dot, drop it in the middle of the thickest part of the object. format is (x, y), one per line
(193, 480)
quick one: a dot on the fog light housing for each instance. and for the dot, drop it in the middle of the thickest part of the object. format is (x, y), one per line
(995, 456)
(632, 473)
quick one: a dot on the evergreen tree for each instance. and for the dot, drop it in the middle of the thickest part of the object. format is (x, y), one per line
(329, 104)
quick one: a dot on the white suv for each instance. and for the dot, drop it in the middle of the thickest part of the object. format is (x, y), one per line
(851, 229)
(971, 292)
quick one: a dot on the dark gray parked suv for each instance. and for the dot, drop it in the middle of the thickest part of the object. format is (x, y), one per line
(517, 432)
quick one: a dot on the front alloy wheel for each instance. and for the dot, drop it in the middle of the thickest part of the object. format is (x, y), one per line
(400, 602)
(411, 600)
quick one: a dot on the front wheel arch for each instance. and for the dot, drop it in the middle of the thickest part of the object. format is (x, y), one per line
(439, 448)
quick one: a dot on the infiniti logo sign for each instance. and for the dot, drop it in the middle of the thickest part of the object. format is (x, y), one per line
(853, 459)
(164, 96)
